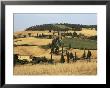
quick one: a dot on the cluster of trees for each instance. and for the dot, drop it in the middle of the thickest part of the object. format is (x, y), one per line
(57, 27)
(35, 60)
(87, 56)
(79, 26)
(38, 35)
(74, 58)
(74, 34)
(56, 43)
(69, 56)
(43, 27)
(42, 35)
(80, 35)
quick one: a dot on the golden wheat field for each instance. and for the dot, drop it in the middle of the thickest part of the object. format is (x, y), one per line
(80, 67)
(36, 51)
(86, 32)
(76, 68)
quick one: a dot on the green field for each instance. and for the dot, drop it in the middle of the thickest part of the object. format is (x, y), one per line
(80, 43)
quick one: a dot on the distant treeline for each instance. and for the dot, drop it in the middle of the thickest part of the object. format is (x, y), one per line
(60, 27)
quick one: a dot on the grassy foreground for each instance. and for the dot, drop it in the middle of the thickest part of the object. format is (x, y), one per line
(76, 68)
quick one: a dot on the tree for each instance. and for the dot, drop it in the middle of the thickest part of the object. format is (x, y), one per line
(24, 36)
(74, 34)
(58, 33)
(89, 56)
(62, 60)
(75, 58)
(29, 34)
(16, 60)
(49, 30)
(52, 49)
(67, 57)
(71, 55)
(14, 37)
(50, 36)
(57, 49)
(42, 35)
(37, 34)
(62, 49)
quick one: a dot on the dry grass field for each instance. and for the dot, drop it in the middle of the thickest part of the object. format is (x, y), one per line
(76, 68)
(84, 31)
(80, 67)
(32, 41)
(36, 51)
(88, 32)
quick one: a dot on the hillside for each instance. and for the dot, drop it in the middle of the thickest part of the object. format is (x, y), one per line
(37, 42)
(60, 27)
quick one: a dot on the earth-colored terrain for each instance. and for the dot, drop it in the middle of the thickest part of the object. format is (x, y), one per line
(80, 67)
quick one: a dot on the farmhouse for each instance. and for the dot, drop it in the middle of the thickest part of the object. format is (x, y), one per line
(26, 57)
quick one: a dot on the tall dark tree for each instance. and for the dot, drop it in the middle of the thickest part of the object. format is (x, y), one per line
(29, 34)
(62, 60)
(57, 50)
(16, 60)
(89, 55)
(67, 57)
(75, 57)
(71, 55)
(37, 34)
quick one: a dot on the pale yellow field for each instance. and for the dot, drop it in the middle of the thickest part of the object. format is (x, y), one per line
(33, 41)
(36, 51)
(33, 33)
(86, 32)
(76, 68)
(80, 67)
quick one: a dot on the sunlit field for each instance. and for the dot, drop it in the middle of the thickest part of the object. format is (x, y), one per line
(73, 68)
(38, 47)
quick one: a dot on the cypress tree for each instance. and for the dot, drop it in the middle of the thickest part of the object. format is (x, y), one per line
(89, 55)
(75, 57)
(37, 34)
(16, 60)
(71, 55)
(57, 49)
(62, 60)
(67, 57)
(62, 49)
